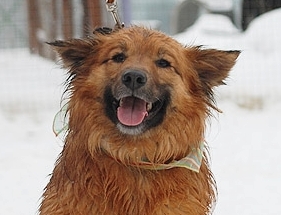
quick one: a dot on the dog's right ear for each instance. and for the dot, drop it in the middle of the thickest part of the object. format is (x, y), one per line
(74, 52)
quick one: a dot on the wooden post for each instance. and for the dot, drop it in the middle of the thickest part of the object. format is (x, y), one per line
(67, 23)
(92, 15)
(33, 25)
(41, 28)
(53, 33)
(44, 16)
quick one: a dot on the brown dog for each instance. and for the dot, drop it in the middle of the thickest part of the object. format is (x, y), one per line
(137, 109)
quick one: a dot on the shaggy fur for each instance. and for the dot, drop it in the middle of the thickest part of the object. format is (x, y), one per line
(97, 172)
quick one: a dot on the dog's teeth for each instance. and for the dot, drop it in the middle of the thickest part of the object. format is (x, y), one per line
(121, 102)
(149, 106)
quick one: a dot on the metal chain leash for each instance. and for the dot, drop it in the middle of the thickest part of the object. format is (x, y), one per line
(111, 6)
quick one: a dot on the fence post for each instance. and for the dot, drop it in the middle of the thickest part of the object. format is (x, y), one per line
(67, 22)
(50, 19)
(33, 25)
(92, 15)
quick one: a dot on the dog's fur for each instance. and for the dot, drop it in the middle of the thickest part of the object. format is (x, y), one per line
(97, 172)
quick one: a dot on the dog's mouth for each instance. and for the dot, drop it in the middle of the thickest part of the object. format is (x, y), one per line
(133, 111)
(135, 114)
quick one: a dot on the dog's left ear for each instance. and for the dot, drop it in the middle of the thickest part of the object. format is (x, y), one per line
(212, 65)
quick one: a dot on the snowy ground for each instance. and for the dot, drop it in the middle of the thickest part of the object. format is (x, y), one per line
(244, 140)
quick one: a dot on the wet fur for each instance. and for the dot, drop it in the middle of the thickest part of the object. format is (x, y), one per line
(93, 174)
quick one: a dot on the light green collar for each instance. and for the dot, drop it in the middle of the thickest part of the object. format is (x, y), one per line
(60, 122)
(192, 161)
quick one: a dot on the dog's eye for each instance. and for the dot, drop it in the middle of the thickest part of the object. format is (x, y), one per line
(119, 58)
(162, 63)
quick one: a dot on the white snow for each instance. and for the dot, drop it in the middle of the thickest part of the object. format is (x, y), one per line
(244, 141)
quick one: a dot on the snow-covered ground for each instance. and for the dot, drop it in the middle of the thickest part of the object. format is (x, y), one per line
(244, 140)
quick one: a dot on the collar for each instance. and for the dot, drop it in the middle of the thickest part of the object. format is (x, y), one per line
(192, 161)
(60, 122)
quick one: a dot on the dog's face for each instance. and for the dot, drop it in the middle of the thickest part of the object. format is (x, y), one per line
(141, 92)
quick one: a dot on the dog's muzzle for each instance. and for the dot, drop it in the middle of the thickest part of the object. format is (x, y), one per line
(132, 105)
(132, 110)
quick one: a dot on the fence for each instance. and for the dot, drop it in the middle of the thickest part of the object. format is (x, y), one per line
(28, 24)
(49, 20)
(13, 24)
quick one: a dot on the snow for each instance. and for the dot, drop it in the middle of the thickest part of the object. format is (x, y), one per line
(244, 140)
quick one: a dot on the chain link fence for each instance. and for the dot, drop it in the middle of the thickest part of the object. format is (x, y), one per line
(13, 24)
(28, 24)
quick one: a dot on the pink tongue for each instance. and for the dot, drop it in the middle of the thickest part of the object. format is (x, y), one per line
(132, 111)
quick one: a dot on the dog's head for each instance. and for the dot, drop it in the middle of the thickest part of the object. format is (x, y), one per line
(141, 92)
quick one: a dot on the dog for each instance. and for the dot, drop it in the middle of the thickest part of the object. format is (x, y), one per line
(137, 106)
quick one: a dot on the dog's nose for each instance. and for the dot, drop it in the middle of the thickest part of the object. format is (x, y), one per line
(134, 79)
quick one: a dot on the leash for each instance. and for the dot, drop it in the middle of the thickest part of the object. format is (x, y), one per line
(111, 6)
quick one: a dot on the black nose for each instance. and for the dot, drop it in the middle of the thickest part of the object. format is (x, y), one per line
(134, 79)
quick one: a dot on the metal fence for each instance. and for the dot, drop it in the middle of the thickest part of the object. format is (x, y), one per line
(13, 24)
(28, 24)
